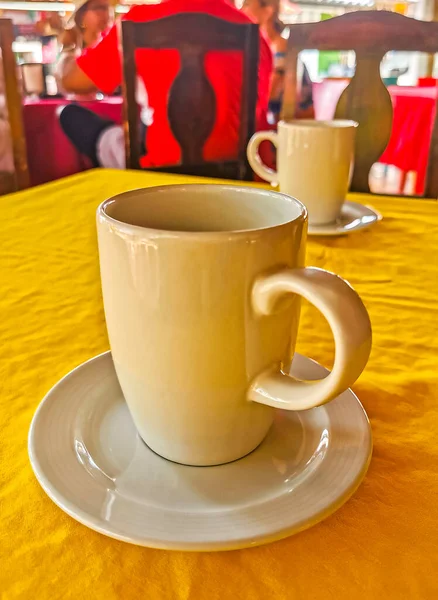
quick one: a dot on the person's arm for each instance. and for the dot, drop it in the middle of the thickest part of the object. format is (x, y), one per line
(98, 68)
(73, 78)
(69, 40)
(64, 60)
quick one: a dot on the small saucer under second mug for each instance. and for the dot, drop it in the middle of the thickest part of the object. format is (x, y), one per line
(89, 459)
(354, 216)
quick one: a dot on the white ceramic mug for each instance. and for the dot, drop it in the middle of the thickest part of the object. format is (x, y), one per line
(314, 161)
(201, 288)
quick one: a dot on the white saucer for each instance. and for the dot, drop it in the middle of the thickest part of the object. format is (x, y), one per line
(354, 216)
(90, 461)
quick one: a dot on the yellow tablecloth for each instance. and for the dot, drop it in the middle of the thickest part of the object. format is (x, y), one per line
(381, 544)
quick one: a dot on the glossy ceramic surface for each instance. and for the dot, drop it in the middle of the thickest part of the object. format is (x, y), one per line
(201, 287)
(87, 456)
(314, 160)
(353, 217)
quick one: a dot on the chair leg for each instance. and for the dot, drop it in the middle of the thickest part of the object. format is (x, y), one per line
(402, 183)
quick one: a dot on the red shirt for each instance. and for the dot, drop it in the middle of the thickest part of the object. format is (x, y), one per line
(158, 69)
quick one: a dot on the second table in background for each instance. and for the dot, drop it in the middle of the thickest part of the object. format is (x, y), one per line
(50, 153)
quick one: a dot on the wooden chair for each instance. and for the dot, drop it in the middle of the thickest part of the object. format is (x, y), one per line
(366, 100)
(19, 179)
(191, 105)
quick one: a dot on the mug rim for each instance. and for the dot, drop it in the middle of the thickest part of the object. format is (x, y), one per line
(326, 124)
(125, 227)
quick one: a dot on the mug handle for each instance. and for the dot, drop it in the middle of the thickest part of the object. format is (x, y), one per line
(348, 320)
(252, 152)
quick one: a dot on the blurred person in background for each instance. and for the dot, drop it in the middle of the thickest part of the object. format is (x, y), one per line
(99, 68)
(85, 28)
(266, 14)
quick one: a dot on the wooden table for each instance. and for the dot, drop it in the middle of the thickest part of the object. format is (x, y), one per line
(381, 544)
(50, 154)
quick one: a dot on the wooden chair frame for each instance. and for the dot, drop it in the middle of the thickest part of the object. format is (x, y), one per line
(193, 35)
(371, 34)
(18, 180)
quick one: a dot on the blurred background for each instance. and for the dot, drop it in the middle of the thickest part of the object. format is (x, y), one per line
(37, 26)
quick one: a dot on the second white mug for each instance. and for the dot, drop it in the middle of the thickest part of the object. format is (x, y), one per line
(314, 161)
